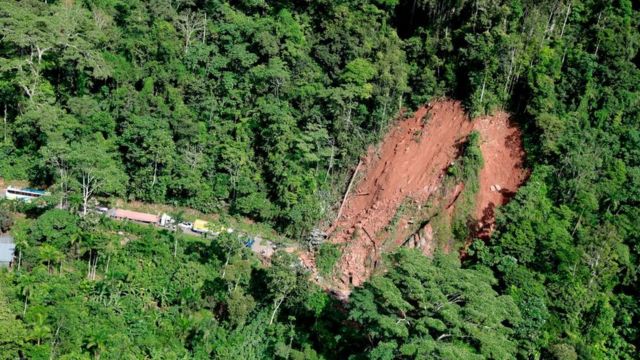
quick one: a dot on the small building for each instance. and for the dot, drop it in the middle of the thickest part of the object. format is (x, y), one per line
(7, 250)
(26, 194)
(134, 216)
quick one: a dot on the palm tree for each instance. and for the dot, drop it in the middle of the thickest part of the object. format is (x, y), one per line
(21, 245)
(27, 290)
(97, 342)
(109, 249)
(40, 330)
(50, 254)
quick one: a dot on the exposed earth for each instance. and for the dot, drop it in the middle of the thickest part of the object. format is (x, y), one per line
(410, 165)
(503, 171)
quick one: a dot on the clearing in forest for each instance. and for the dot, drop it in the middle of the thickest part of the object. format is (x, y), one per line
(409, 167)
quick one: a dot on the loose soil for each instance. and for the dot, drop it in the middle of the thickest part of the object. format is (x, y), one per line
(409, 166)
(503, 172)
(410, 163)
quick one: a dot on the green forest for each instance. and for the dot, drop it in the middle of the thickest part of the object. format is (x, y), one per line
(261, 109)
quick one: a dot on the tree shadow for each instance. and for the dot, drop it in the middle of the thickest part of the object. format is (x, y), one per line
(507, 194)
(482, 228)
(199, 251)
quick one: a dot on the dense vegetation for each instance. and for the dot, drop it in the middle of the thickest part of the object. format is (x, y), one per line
(466, 170)
(259, 109)
(90, 287)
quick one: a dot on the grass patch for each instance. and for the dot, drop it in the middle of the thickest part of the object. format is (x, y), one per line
(408, 210)
(466, 170)
(442, 232)
(404, 207)
(427, 118)
(417, 135)
(327, 257)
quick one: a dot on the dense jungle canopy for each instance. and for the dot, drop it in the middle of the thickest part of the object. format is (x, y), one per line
(261, 109)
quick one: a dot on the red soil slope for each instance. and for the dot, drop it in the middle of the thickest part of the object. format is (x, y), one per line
(411, 163)
(503, 172)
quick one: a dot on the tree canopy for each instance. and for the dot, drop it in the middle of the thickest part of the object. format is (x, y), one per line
(260, 109)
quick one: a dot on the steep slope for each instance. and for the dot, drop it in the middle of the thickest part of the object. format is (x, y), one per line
(410, 163)
(503, 171)
(409, 167)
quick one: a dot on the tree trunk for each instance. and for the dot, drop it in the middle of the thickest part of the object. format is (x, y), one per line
(331, 160)
(155, 171)
(89, 264)
(204, 29)
(413, 11)
(346, 193)
(224, 268)
(53, 342)
(566, 16)
(508, 80)
(550, 22)
(475, 15)
(95, 267)
(85, 194)
(84, 205)
(63, 187)
(5, 123)
(175, 245)
(276, 304)
(484, 82)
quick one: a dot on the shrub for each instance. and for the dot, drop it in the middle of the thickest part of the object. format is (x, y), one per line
(6, 221)
(327, 257)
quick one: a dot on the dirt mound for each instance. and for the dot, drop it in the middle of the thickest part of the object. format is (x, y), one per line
(410, 165)
(503, 172)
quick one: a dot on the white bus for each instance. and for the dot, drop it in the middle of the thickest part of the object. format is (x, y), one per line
(23, 194)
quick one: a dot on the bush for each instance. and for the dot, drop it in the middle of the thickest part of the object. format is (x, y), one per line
(467, 170)
(6, 221)
(327, 257)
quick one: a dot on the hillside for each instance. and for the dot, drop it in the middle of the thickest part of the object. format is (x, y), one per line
(406, 183)
(467, 172)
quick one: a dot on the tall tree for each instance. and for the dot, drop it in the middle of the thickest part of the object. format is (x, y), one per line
(95, 170)
(426, 308)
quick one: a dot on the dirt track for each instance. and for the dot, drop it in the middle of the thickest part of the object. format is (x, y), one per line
(411, 163)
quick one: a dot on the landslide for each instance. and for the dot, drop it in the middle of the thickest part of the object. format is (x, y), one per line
(503, 171)
(408, 170)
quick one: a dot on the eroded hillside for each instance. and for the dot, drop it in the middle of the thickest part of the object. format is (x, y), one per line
(401, 186)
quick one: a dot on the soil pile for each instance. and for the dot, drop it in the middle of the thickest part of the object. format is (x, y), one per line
(411, 163)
